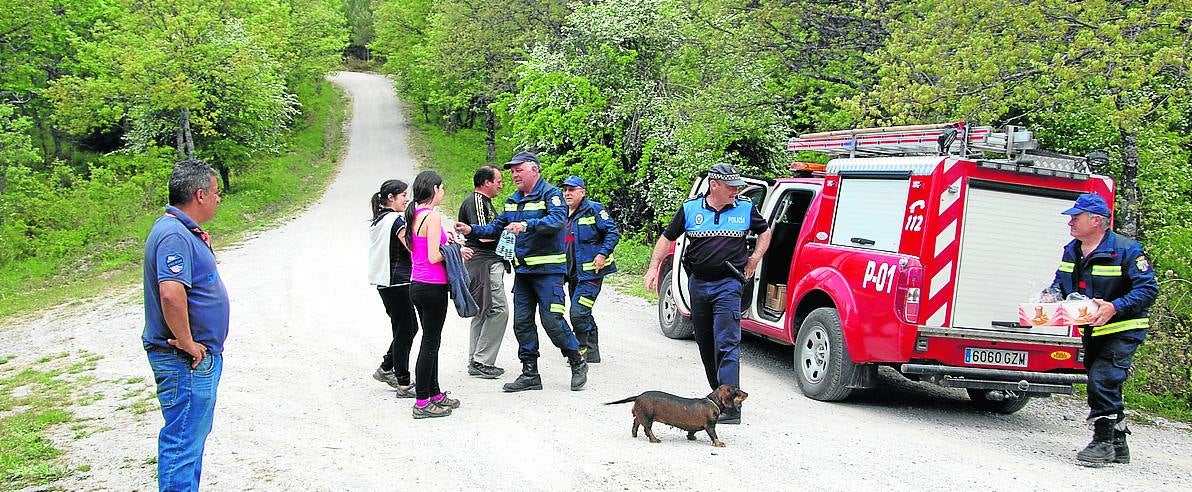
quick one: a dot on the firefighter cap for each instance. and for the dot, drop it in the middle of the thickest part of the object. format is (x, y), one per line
(520, 158)
(575, 181)
(1089, 202)
(727, 173)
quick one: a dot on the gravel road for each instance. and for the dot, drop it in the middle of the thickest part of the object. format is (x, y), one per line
(298, 410)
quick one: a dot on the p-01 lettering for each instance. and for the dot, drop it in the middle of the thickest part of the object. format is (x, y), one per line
(881, 276)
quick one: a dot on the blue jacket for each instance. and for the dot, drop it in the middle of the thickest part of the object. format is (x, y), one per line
(592, 232)
(539, 249)
(457, 278)
(1117, 271)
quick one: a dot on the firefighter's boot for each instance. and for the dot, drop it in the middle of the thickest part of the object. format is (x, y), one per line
(579, 371)
(1121, 452)
(527, 380)
(593, 355)
(1100, 450)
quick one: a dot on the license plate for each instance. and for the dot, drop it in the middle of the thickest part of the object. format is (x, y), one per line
(993, 357)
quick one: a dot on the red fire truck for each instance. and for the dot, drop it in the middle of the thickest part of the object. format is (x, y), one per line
(912, 250)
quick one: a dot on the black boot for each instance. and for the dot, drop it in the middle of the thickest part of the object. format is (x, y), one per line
(527, 380)
(593, 355)
(1121, 452)
(1100, 450)
(579, 371)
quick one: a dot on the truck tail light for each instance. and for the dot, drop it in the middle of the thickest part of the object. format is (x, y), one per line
(906, 302)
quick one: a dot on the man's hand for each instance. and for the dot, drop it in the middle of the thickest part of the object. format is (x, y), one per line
(751, 266)
(195, 349)
(462, 227)
(516, 227)
(599, 262)
(1105, 312)
(466, 252)
(651, 279)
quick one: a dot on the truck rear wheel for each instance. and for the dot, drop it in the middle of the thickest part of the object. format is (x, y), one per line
(673, 323)
(822, 363)
(1005, 404)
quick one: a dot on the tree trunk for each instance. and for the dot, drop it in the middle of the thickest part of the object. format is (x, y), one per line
(225, 176)
(1130, 196)
(490, 134)
(451, 122)
(186, 143)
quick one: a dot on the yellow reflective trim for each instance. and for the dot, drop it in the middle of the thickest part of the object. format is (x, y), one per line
(557, 308)
(544, 260)
(1067, 267)
(1130, 324)
(510, 207)
(586, 221)
(533, 206)
(1107, 271)
(587, 302)
(591, 265)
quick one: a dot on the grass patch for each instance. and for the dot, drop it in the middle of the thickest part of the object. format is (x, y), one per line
(270, 188)
(32, 400)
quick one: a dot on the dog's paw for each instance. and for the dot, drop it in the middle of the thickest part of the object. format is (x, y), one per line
(718, 443)
(655, 440)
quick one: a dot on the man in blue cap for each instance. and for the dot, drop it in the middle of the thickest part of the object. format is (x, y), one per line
(536, 214)
(716, 225)
(591, 237)
(1114, 272)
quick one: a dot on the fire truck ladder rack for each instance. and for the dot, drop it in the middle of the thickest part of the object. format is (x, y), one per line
(1016, 147)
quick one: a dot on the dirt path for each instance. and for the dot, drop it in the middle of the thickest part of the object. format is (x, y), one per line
(298, 411)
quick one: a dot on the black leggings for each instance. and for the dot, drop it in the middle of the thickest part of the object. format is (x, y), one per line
(431, 302)
(404, 326)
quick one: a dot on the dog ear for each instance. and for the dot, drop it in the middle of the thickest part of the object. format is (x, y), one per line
(724, 393)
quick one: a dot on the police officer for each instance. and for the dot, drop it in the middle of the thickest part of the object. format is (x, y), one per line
(536, 214)
(591, 237)
(1114, 272)
(716, 224)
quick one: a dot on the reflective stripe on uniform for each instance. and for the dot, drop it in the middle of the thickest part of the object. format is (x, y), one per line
(557, 308)
(544, 260)
(1130, 324)
(586, 221)
(534, 206)
(591, 265)
(584, 301)
(510, 207)
(1107, 270)
(1067, 267)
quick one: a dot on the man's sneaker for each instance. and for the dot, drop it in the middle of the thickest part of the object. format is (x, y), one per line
(430, 410)
(387, 377)
(443, 400)
(405, 391)
(484, 371)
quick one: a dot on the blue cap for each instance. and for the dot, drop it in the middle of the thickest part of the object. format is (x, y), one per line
(727, 173)
(1089, 202)
(520, 158)
(575, 181)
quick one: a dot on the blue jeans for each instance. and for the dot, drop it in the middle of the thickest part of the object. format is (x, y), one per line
(542, 293)
(187, 398)
(716, 316)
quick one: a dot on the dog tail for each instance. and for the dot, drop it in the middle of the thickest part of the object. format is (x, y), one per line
(627, 400)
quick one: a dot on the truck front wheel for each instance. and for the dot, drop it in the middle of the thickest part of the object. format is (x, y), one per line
(673, 323)
(1000, 402)
(822, 363)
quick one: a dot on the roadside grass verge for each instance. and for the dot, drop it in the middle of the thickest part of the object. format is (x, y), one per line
(33, 399)
(271, 188)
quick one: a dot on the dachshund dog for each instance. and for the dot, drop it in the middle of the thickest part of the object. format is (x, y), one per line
(689, 414)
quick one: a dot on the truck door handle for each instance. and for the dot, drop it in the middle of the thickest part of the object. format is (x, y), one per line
(862, 241)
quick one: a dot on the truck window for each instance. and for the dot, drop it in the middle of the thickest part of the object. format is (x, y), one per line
(869, 212)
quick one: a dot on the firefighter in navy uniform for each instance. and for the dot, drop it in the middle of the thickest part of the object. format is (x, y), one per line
(716, 225)
(536, 213)
(1114, 272)
(591, 237)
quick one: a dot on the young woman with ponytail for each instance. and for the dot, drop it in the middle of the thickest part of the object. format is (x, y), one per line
(389, 270)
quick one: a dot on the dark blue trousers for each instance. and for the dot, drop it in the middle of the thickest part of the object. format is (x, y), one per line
(1108, 359)
(583, 297)
(544, 293)
(716, 315)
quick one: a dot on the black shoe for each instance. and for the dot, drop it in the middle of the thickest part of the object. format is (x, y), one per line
(484, 371)
(579, 373)
(527, 380)
(1100, 450)
(729, 416)
(1121, 452)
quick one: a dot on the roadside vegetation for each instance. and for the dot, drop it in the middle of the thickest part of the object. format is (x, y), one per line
(639, 96)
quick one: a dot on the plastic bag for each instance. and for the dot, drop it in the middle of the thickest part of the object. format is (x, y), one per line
(1049, 294)
(1076, 296)
(505, 246)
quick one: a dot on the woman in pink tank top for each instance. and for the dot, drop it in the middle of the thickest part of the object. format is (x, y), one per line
(428, 292)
